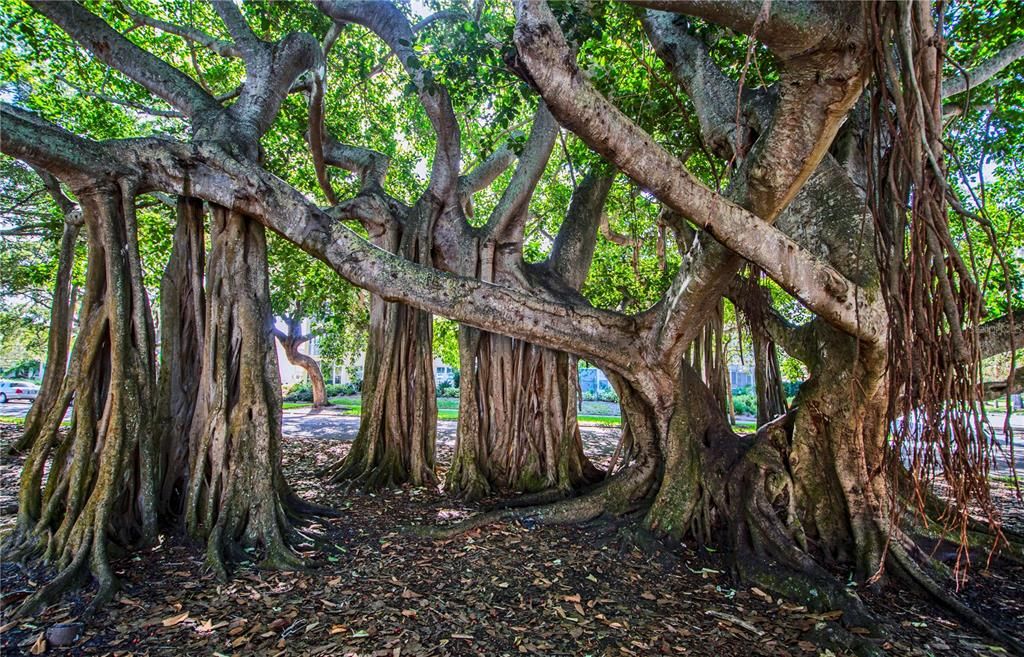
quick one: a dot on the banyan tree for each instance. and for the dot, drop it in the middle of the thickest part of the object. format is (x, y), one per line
(816, 163)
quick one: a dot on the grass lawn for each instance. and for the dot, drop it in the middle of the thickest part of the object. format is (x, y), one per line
(448, 409)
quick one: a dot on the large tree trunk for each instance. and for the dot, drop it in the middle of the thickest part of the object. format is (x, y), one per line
(100, 486)
(398, 426)
(62, 314)
(291, 342)
(237, 496)
(518, 429)
(182, 328)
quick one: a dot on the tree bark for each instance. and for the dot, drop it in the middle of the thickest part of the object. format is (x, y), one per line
(182, 330)
(398, 425)
(527, 437)
(237, 496)
(100, 486)
(291, 342)
(518, 429)
(62, 314)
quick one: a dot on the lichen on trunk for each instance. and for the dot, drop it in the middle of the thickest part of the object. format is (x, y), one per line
(99, 491)
(237, 495)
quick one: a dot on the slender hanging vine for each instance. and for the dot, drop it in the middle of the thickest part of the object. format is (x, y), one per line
(934, 303)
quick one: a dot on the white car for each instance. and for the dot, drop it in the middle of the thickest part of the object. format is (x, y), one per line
(11, 390)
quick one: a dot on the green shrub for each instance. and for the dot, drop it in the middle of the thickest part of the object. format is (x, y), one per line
(447, 390)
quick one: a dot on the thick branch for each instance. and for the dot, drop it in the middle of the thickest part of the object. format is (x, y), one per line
(271, 80)
(574, 245)
(792, 26)
(714, 96)
(983, 72)
(579, 106)
(113, 49)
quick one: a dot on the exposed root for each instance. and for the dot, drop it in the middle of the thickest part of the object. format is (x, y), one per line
(532, 499)
(901, 561)
(618, 495)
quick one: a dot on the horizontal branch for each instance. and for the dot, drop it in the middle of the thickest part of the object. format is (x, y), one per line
(791, 26)
(208, 172)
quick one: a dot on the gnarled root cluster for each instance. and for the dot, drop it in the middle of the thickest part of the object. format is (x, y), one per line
(237, 496)
(99, 489)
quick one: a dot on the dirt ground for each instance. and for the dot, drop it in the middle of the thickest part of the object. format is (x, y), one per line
(503, 590)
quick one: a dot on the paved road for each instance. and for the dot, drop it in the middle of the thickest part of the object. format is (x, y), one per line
(15, 409)
(331, 424)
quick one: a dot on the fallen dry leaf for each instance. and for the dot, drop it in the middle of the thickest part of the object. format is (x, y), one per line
(171, 621)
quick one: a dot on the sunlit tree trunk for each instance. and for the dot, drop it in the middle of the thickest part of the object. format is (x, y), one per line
(95, 489)
(237, 496)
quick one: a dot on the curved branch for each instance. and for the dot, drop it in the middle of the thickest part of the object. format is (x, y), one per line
(218, 46)
(983, 72)
(112, 48)
(388, 22)
(581, 108)
(371, 166)
(153, 111)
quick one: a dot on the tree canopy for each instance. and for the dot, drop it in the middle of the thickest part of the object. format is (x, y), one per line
(614, 182)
